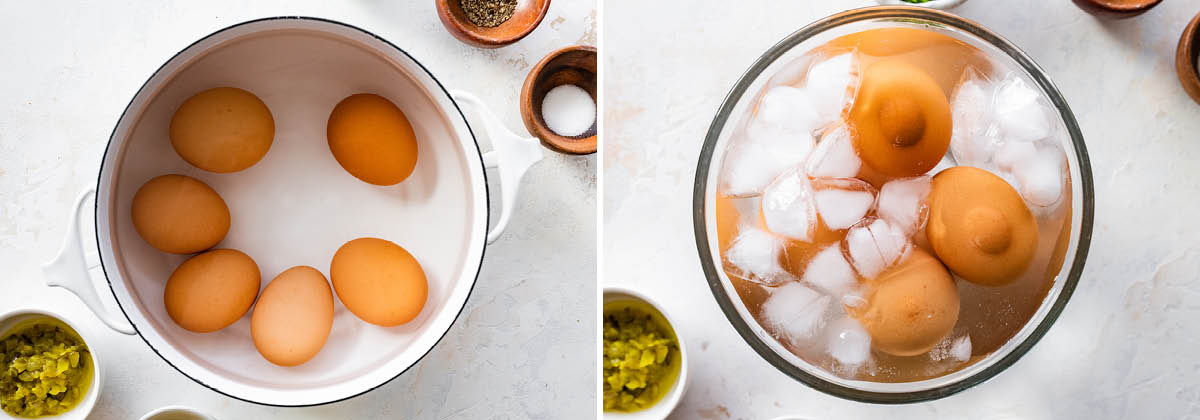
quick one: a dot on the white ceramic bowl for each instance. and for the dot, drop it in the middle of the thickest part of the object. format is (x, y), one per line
(81, 410)
(671, 400)
(935, 4)
(297, 205)
(176, 412)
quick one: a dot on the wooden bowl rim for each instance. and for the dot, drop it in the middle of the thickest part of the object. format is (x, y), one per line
(1186, 64)
(1122, 8)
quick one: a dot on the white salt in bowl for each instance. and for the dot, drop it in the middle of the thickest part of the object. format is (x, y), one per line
(744, 95)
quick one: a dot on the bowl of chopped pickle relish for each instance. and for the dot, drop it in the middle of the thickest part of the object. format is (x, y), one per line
(643, 358)
(47, 370)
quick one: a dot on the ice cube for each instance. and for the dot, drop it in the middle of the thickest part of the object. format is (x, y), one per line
(828, 271)
(960, 350)
(1019, 114)
(902, 203)
(849, 342)
(974, 135)
(792, 72)
(957, 349)
(786, 109)
(854, 299)
(873, 246)
(756, 254)
(795, 312)
(976, 150)
(1041, 178)
(831, 84)
(842, 202)
(1013, 153)
(752, 163)
(892, 241)
(788, 207)
(834, 156)
(972, 101)
(862, 253)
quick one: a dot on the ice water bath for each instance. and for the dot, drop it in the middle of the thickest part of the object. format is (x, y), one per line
(895, 205)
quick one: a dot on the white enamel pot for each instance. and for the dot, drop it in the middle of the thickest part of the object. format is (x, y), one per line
(297, 205)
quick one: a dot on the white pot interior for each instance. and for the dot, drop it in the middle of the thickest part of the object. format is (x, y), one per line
(297, 205)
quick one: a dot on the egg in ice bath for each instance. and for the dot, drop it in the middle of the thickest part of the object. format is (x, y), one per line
(372, 139)
(912, 307)
(293, 317)
(980, 227)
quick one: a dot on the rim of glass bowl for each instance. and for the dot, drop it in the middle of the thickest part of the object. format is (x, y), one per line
(1000, 359)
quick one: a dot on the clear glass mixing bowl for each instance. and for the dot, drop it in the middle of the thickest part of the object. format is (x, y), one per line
(742, 97)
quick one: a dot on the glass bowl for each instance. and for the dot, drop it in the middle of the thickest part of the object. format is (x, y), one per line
(743, 96)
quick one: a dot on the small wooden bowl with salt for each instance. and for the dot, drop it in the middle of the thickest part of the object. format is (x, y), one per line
(558, 101)
(491, 23)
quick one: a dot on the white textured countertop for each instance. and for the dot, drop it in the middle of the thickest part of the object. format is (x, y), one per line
(1126, 345)
(67, 73)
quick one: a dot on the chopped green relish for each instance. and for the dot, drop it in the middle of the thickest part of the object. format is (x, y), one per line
(641, 356)
(46, 369)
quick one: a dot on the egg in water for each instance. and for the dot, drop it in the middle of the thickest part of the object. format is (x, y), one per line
(912, 307)
(293, 317)
(372, 139)
(211, 291)
(222, 130)
(980, 227)
(179, 214)
(901, 119)
(378, 281)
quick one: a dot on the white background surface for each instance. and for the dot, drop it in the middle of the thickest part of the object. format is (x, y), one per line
(1126, 345)
(68, 72)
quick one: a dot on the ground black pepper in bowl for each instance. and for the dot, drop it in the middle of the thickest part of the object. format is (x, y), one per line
(488, 13)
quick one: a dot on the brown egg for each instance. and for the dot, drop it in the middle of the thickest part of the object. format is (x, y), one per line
(210, 291)
(913, 306)
(979, 226)
(901, 119)
(378, 281)
(222, 130)
(940, 55)
(293, 317)
(372, 139)
(179, 214)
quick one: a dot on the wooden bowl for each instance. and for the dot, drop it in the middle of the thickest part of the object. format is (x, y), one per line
(525, 18)
(575, 65)
(1185, 59)
(1118, 9)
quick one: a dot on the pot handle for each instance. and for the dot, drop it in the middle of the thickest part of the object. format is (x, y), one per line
(511, 155)
(69, 270)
